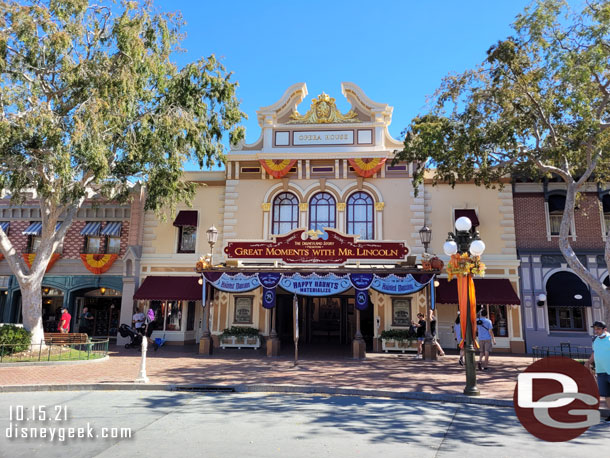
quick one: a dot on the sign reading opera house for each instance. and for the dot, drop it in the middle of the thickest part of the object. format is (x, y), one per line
(316, 247)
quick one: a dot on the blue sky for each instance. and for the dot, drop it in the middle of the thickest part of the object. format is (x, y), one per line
(396, 51)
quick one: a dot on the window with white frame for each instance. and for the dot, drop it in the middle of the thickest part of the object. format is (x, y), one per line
(606, 211)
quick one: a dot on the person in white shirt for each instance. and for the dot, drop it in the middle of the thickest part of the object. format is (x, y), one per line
(138, 320)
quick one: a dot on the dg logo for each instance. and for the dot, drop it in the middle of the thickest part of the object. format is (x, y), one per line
(269, 296)
(556, 399)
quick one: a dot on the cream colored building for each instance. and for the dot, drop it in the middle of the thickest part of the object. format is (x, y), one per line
(323, 187)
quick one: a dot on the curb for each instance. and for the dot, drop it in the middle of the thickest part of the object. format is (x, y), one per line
(56, 363)
(263, 388)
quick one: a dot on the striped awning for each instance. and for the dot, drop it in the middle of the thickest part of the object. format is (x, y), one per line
(112, 229)
(92, 228)
(5, 226)
(34, 228)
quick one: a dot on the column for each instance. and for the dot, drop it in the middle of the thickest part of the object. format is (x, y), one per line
(273, 344)
(359, 345)
(130, 285)
(205, 343)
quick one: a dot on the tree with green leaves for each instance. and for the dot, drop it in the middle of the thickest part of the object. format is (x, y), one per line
(539, 105)
(91, 103)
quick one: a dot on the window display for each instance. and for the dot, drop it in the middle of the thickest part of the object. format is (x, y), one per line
(243, 310)
(401, 311)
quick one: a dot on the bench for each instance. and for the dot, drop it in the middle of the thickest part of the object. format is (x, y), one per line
(58, 338)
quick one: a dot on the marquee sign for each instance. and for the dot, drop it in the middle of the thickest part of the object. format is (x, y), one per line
(316, 247)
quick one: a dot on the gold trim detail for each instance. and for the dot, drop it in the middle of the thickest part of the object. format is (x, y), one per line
(341, 206)
(266, 206)
(303, 206)
(379, 205)
(323, 110)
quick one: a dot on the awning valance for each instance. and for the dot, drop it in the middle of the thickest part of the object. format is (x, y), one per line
(34, 228)
(166, 288)
(488, 291)
(186, 218)
(469, 213)
(566, 289)
(113, 229)
(91, 229)
(5, 226)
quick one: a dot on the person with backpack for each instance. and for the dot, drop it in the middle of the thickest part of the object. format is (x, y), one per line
(486, 339)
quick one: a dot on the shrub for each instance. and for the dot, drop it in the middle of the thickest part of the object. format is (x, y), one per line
(397, 334)
(237, 331)
(14, 339)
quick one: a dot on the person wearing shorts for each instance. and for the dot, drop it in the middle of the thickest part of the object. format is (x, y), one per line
(486, 339)
(421, 334)
(601, 357)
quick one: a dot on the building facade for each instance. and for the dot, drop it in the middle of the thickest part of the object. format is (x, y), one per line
(558, 307)
(305, 174)
(90, 268)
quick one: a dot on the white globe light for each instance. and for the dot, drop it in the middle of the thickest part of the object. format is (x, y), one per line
(542, 297)
(463, 224)
(577, 296)
(450, 247)
(477, 247)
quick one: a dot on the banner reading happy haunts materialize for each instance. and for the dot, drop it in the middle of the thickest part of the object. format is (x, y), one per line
(314, 284)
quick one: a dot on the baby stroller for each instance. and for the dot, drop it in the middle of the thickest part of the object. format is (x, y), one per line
(135, 336)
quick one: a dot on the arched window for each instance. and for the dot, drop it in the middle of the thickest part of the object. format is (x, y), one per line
(568, 298)
(322, 211)
(360, 214)
(285, 213)
(606, 208)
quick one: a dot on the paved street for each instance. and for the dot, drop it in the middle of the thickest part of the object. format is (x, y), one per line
(267, 425)
(182, 365)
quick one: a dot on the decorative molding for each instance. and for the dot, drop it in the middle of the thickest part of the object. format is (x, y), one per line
(266, 206)
(341, 206)
(323, 110)
(379, 206)
(303, 206)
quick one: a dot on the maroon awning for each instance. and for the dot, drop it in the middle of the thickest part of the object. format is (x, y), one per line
(186, 218)
(468, 213)
(488, 291)
(159, 288)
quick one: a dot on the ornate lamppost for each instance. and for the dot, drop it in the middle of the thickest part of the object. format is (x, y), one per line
(425, 235)
(205, 343)
(212, 234)
(465, 248)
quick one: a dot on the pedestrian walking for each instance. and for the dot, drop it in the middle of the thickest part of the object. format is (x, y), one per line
(435, 341)
(138, 321)
(600, 357)
(486, 339)
(421, 334)
(85, 321)
(64, 322)
(457, 329)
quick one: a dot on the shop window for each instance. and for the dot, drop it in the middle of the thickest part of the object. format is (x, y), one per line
(360, 213)
(322, 211)
(556, 205)
(285, 213)
(190, 316)
(187, 239)
(113, 245)
(35, 241)
(606, 209)
(243, 310)
(93, 244)
(567, 318)
(498, 317)
(401, 311)
(168, 315)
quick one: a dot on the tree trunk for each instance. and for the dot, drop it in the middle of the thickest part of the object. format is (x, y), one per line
(31, 308)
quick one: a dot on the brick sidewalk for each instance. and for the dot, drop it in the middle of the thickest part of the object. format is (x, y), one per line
(181, 365)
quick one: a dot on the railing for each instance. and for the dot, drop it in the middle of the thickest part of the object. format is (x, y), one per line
(566, 350)
(16, 353)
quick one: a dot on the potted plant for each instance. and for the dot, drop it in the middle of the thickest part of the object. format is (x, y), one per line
(397, 339)
(238, 336)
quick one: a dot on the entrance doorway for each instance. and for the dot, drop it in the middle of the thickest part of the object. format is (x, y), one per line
(323, 321)
(104, 305)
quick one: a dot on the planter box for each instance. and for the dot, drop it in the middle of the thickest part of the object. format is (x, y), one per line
(240, 342)
(398, 345)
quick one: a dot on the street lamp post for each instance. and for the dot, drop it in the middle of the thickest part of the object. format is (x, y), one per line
(429, 352)
(465, 241)
(205, 344)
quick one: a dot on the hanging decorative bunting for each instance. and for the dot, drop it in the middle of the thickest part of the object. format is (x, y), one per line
(30, 257)
(277, 168)
(233, 283)
(367, 167)
(314, 284)
(362, 299)
(394, 284)
(98, 263)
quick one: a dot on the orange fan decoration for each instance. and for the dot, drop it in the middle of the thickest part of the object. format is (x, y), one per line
(98, 263)
(30, 257)
(277, 168)
(367, 167)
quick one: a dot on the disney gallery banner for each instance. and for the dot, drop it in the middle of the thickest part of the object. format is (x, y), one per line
(316, 247)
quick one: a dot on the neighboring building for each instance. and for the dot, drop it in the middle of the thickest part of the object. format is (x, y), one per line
(95, 258)
(558, 307)
(323, 169)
